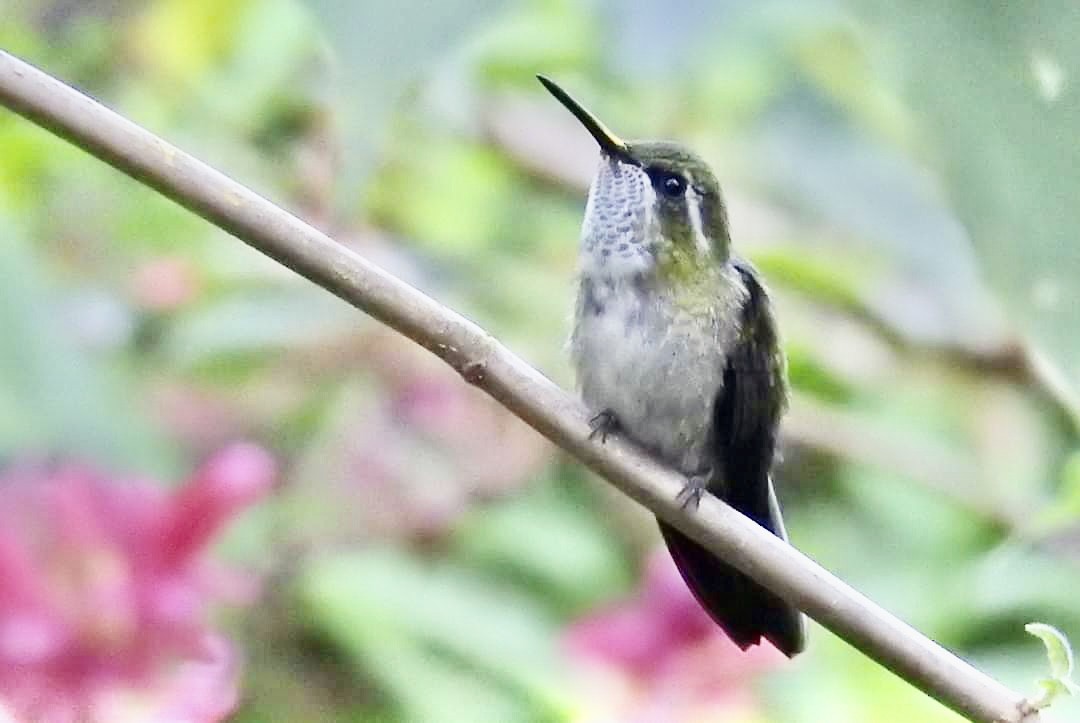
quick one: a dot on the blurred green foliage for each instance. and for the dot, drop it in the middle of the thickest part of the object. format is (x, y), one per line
(903, 174)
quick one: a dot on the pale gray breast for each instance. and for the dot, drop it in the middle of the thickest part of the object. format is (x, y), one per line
(656, 366)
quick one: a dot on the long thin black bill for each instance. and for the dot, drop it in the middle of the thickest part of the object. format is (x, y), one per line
(610, 143)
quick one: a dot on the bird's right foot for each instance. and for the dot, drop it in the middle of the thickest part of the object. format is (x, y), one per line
(602, 425)
(696, 486)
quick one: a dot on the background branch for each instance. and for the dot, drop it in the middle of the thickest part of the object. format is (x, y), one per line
(484, 362)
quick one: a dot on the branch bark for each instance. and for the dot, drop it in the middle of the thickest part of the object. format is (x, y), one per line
(484, 362)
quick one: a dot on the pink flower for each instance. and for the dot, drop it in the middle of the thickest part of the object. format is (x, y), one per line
(104, 589)
(661, 658)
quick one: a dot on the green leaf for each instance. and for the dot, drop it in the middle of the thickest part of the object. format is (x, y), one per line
(409, 623)
(844, 685)
(1058, 651)
(985, 83)
(550, 542)
(380, 50)
(255, 321)
(1060, 655)
(58, 397)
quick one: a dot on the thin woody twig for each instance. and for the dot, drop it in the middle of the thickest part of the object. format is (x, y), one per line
(486, 363)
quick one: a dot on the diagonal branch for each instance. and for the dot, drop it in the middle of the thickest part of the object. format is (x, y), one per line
(486, 363)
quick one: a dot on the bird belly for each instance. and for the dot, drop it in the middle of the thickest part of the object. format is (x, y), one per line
(657, 370)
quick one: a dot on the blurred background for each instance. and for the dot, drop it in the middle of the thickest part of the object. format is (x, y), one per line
(229, 495)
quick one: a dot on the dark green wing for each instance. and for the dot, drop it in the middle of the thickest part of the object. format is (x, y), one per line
(746, 416)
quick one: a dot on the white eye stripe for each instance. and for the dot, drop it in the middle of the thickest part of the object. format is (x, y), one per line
(693, 211)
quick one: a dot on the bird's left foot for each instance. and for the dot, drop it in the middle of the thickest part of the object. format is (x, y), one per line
(689, 496)
(603, 424)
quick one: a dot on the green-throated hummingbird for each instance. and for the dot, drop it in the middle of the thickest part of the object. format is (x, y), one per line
(676, 347)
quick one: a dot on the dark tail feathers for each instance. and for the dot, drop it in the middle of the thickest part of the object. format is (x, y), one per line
(744, 609)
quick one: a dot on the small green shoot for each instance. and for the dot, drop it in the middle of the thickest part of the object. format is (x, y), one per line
(1060, 655)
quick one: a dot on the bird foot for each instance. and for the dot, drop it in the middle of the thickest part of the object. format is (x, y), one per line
(602, 425)
(689, 496)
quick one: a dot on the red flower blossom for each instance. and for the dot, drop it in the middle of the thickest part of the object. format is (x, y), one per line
(104, 589)
(661, 658)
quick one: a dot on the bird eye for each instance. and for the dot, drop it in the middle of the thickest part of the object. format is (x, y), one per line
(670, 184)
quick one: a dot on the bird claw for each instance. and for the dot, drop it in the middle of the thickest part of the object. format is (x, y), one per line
(602, 425)
(689, 496)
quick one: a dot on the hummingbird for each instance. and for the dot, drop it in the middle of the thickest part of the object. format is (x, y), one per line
(675, 346)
